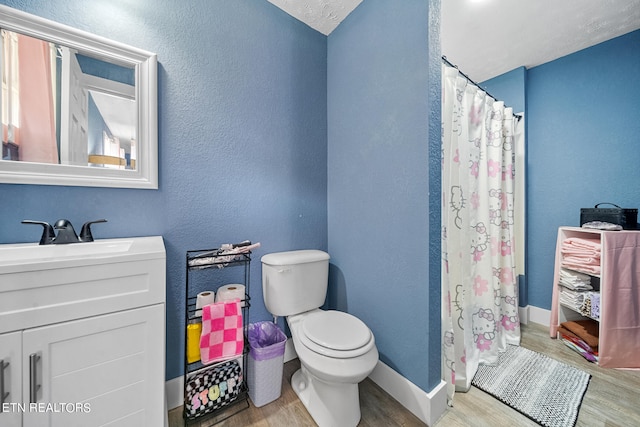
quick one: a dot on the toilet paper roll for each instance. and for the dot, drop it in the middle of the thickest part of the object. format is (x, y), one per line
(230, 292)
(204, 298)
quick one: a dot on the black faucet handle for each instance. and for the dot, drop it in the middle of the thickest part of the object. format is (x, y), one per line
(48, 235)
(85, 232)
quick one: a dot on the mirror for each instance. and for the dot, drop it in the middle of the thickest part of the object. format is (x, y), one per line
(76, 109)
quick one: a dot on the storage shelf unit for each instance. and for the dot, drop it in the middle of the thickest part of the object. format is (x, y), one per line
(208, 270)
(619, 339)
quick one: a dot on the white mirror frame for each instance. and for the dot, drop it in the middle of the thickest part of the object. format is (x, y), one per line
(146, 174)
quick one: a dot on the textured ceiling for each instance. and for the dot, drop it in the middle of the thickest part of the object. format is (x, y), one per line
(486, 38)
(490, 37)
(321, 15)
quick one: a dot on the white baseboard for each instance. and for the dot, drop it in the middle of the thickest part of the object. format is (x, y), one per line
(539, 315)
(523, 313)
(426, 406)
(533, 314)
(429, 407)
(174, 390)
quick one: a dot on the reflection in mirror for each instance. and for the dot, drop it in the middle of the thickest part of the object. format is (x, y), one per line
(76, 109)
(59, 106)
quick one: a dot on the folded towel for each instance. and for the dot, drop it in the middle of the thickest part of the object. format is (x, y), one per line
(592, 357)
(574, 276)
(222, 331)
(568, 335)
(580, 252)
(581, 260)
(584, 268)
(581, 243)
(574, 280)
(571, 296)
(601, 225)
(587, 330)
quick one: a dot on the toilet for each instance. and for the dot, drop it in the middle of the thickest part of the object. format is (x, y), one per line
(336, 350)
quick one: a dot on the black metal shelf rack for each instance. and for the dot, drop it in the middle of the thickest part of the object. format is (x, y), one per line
(208, 270)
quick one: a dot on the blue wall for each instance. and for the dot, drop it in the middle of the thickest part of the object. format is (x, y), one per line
(242, 138)
(383, 82)
(583, 115)
(582, 143)
(509, 87)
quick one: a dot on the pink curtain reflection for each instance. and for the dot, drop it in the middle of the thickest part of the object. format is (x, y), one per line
(37, 135)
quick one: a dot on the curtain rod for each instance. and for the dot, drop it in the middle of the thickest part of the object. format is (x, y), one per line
(444, 58)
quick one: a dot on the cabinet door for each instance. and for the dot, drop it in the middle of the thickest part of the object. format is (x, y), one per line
(102, 370)
(11, 379)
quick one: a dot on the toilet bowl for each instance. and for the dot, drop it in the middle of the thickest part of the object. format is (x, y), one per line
(336, 349)
(327, 381)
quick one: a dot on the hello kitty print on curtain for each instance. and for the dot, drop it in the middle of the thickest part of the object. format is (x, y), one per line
(480, 303)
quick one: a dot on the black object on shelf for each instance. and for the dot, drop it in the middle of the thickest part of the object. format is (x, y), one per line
(614, 214)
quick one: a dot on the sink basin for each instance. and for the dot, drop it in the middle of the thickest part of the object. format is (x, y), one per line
(11, 253)
(58, 256)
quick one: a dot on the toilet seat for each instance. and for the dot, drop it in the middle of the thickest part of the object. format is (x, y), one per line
(335, 334)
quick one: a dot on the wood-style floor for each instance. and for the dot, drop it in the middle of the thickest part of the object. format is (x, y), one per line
(612, 399)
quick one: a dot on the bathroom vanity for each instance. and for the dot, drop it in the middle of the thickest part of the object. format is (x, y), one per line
(82, 333)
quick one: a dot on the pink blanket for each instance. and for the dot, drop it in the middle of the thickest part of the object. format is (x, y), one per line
(222, 331)
(620, 299)
(581, 254)
(581, 244)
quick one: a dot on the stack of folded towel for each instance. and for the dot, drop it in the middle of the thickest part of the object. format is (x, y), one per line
(586, 303)
(581, 254)
(574, 280)
(573, 299)
(581, 336)
(577, 292)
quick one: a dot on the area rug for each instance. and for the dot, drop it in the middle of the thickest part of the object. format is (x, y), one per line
(545, 390)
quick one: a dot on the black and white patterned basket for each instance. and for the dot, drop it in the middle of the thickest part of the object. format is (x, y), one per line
(212, 388)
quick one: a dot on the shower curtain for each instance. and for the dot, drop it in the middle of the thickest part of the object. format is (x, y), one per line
(480, 303)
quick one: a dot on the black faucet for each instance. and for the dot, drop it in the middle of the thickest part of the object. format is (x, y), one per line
(66, 233)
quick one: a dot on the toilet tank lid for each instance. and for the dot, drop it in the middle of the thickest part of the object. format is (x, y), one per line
(294, 257)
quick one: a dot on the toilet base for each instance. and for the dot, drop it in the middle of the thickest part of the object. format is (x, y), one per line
(330, 405)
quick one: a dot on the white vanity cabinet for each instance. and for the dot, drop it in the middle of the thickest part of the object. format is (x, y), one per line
(84, 338)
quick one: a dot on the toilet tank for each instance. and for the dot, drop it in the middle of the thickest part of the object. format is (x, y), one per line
(294, 282)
